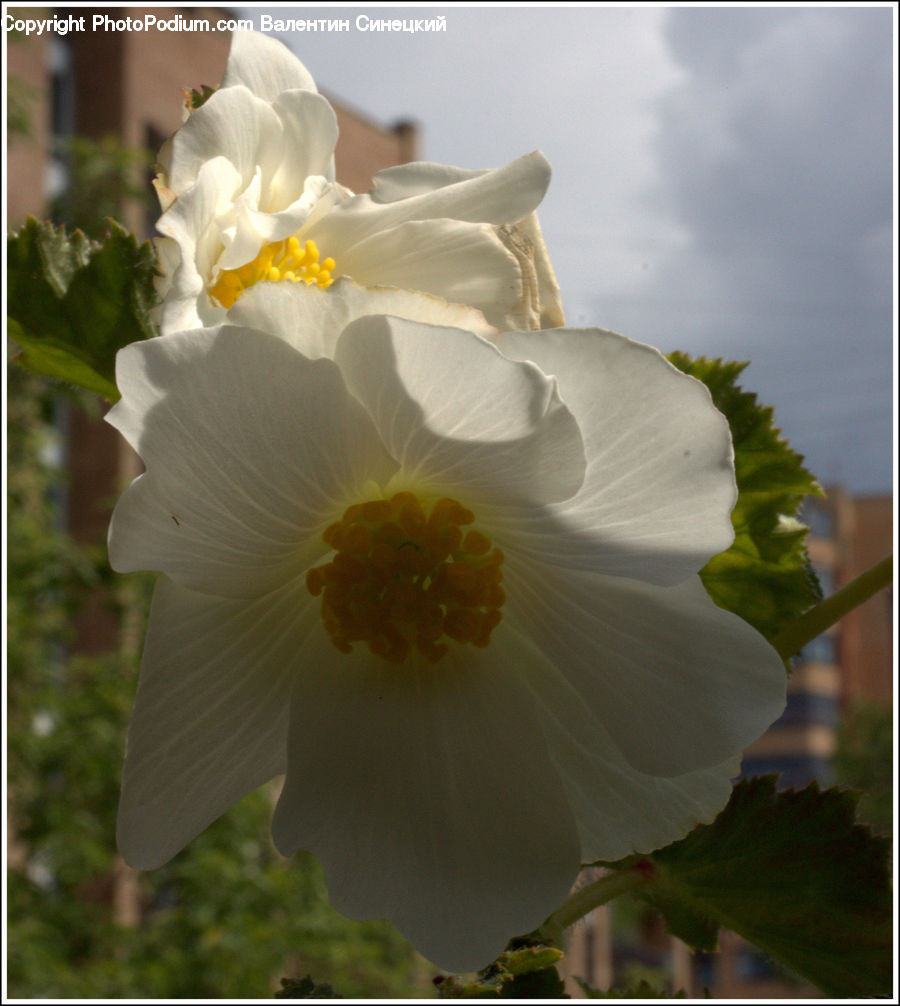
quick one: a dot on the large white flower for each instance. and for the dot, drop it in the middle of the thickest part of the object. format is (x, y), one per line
(448, 587)
(249, 196)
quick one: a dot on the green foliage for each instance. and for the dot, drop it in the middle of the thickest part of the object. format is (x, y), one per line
(765, 576)
(864, 760)
(221, 920)
(73, 303)
(194, 98)
(227, 916)
(104, 176)
(20, 98)
(305, 988)
(791, 872)
(525, 970)
(46, 572)
(643, 990)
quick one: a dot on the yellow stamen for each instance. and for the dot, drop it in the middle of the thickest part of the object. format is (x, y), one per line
(403, 578)
(280, 260)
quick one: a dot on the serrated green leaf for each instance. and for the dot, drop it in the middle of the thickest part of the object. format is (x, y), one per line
(196, 98)
(765, 576)
(52, 361)
(792, 873)
(73, 303)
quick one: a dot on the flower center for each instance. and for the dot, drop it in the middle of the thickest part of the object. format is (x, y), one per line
(404, 577)
(276, 261)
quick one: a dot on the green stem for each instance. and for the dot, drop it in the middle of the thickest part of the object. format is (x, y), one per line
(587, 898)
(814, 622)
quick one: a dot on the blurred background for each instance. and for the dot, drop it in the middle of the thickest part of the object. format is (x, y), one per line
(722, 185)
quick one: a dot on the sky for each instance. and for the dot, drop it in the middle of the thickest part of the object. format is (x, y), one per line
(722, 179)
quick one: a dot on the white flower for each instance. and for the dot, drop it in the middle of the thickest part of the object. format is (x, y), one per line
(249, 195)
(451, 593)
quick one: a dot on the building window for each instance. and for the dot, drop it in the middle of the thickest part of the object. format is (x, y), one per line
(62, 105)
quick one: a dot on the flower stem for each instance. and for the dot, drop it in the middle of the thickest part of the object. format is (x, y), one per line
(814, 622)
(587, 898)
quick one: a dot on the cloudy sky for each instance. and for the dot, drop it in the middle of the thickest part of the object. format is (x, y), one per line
(722, 179)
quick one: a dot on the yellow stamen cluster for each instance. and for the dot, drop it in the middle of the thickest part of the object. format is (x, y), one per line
(403, 577)
(276, 261)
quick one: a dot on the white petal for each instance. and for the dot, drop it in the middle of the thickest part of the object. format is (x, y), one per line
(541, 290)
(310, 133)
(659, 486)
(251, 450)
(192, 223)
(457, 414)
(232, 124)
(416, 178)
(310, 319)
(405, 180)
(315, 201)
(168, 259)
(504, 195)
(619, 810)
(461, 262)
(211, 714)
(679, 683)
(265, 66)
(428, 795)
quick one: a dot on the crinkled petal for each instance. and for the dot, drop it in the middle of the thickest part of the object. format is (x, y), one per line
(619, 810)
(659, 486)
(310, 134)
(542, 299)
(462, 262)
(210, 718)
(316, 201)
(250, 448)
(265, 66)
(239, 239)
(524, 239)
(456, 414)
(168, 259)
(192, 223)
(679, 683)
(501, 196)
(312, 323)
(428, 796)
(232, 124)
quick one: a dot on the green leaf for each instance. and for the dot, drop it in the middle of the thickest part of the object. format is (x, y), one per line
(525, 970)
(522, 960)
(765, 576)
(194, 99)
(543, 984)
(73, 303)
(792, 873)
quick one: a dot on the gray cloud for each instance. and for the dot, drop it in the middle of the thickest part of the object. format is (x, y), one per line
(775, 157)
